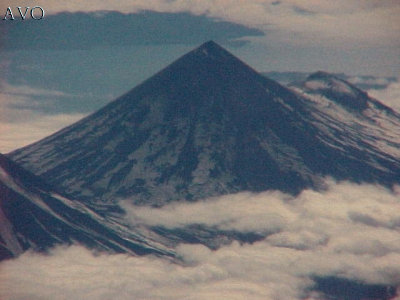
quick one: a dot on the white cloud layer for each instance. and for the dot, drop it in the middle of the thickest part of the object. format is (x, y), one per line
(351, 231)
(20, 121)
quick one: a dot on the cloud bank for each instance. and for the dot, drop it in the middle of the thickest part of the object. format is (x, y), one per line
(364, 20)
(21, 121)
(349, 231)
(113, 29)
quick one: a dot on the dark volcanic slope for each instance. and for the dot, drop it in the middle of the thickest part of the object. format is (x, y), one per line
(32, 216)
(206, 125)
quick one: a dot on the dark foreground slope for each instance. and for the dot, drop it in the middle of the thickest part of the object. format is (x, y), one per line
(206, 125)
(32, 216)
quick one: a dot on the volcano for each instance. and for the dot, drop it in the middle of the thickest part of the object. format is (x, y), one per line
(208, 125)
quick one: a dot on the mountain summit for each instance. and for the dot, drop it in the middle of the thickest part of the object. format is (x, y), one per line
(206, 125)
(340, 91)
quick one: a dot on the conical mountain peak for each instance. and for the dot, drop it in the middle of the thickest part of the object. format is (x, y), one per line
(210, 45)
(212, 50)
(206, 125)
(207, 76)
(191, 131)
(204, 60)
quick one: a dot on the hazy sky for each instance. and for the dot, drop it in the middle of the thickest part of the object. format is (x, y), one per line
(85, 53)
(349, 36)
